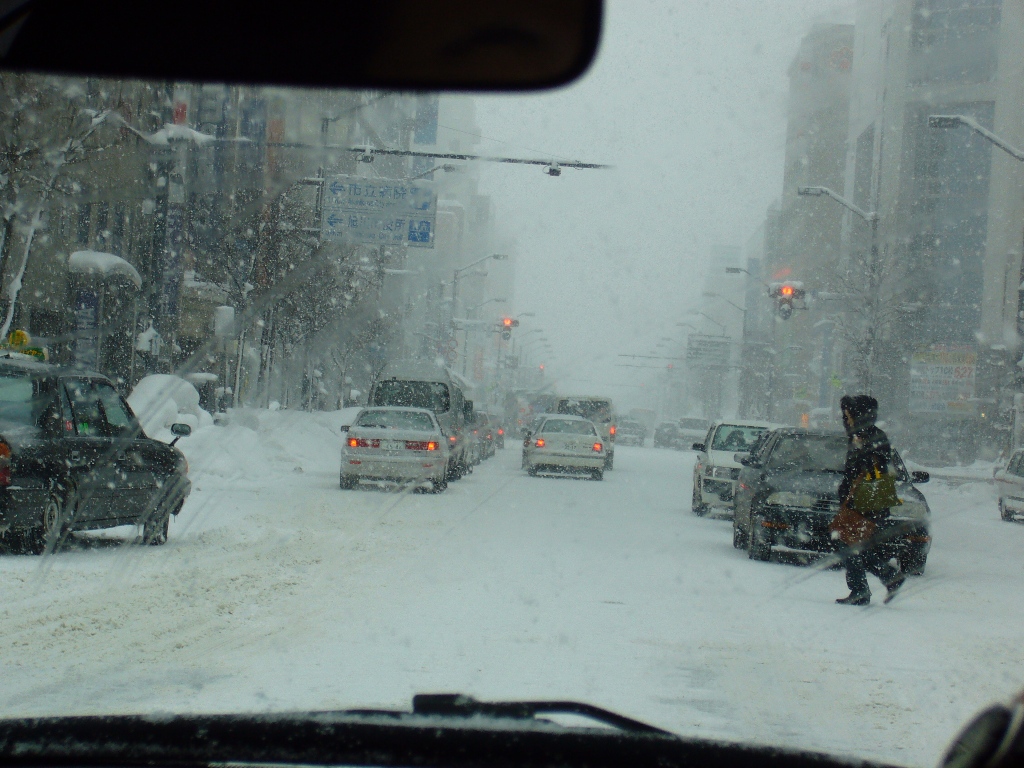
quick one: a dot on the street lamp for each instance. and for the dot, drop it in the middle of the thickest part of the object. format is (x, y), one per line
(460, 270)
(954, 121)
(872, 218)
(485, 303)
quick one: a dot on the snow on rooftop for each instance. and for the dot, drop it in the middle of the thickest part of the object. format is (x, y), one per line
(103, 264)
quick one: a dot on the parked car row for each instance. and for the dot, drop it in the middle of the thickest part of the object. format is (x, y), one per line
(74, 457)
(780, 487)
(680, 435)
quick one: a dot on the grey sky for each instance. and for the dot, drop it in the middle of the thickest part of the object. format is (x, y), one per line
(687, 100)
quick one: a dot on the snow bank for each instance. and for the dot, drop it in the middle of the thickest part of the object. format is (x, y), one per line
(160, 400)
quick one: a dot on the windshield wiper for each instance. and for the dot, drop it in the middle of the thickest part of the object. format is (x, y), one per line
(459, 705)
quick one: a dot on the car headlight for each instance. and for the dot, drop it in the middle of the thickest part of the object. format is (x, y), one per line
(791, 499)
(910, 509)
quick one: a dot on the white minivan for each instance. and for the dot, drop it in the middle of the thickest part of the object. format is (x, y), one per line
(716, 470)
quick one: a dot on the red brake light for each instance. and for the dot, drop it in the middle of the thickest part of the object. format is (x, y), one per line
(359, 442)
(431, 446)
(5, 464)
(452, 439)
(540, 442)
(598, 447)
(786, 290)
(611, 430)
(501, 431)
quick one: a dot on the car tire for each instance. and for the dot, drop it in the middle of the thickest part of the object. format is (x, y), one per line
(51, 530)
(597, 474)
(155, 531)
(757, 547)
(698, 508)
(739, 538)
(438, 486)
(531, 471)
(348, 483)
(609, 462)
(1004, 513)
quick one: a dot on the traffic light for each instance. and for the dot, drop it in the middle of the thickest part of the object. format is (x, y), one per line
(787, 296)
(507, 324)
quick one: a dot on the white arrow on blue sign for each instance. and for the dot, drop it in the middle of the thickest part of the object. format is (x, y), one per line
(379, 211)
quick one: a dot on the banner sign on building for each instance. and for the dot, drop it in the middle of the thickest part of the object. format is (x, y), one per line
(357, 209)
(942, 380)
(708, 351)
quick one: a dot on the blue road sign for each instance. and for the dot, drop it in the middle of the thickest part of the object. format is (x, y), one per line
(377, 211)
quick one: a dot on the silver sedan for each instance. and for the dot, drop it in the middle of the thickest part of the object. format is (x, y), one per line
(397, 445)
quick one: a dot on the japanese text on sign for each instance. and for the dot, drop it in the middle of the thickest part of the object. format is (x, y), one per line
(379, 211)
(942, 380)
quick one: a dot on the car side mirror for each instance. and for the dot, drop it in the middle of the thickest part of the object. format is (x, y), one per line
(344, 427)
(746, 460)
(179, 431)
(919, 477)
(699, 447)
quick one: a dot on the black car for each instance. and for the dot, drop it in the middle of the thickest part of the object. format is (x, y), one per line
(668, 435)
(787, 495)
(74, 457)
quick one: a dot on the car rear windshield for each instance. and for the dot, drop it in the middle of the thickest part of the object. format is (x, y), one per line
(693, 424)
(413, 394)
(730, 437)
(566, 427)
(592, 410)
(23, 399)
(809, 452)
(395, 420)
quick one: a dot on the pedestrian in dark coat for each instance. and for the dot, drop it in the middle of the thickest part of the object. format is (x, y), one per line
(868, 451)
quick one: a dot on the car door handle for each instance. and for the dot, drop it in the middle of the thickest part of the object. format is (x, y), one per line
(76, 456)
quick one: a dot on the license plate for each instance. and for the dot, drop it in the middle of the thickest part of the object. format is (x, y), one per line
(391, 445)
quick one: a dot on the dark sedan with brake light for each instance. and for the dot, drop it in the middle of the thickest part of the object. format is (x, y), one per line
(74, 457)
(395, 444)
(787, 495)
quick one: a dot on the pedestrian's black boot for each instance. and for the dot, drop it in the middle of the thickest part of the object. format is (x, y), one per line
(894, 586)
(855, 598)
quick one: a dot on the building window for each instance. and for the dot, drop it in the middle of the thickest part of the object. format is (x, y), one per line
(954, 41)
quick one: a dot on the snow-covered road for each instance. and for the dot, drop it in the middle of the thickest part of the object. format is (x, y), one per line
(280, 591)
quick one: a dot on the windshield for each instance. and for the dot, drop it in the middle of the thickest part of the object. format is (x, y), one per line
(810, 453)
(698, 425)
(24, 400)
(565, 427)
(395, 420)
(413, 394)
(592, 410)
(730, 437)
(743, 213)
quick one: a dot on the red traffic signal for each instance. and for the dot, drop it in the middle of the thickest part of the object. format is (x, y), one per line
(510, 322)
(786, 295)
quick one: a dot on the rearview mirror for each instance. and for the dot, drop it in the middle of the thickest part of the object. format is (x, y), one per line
(179, 431)
(699, 447)
(389, 44)
(919, 477)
